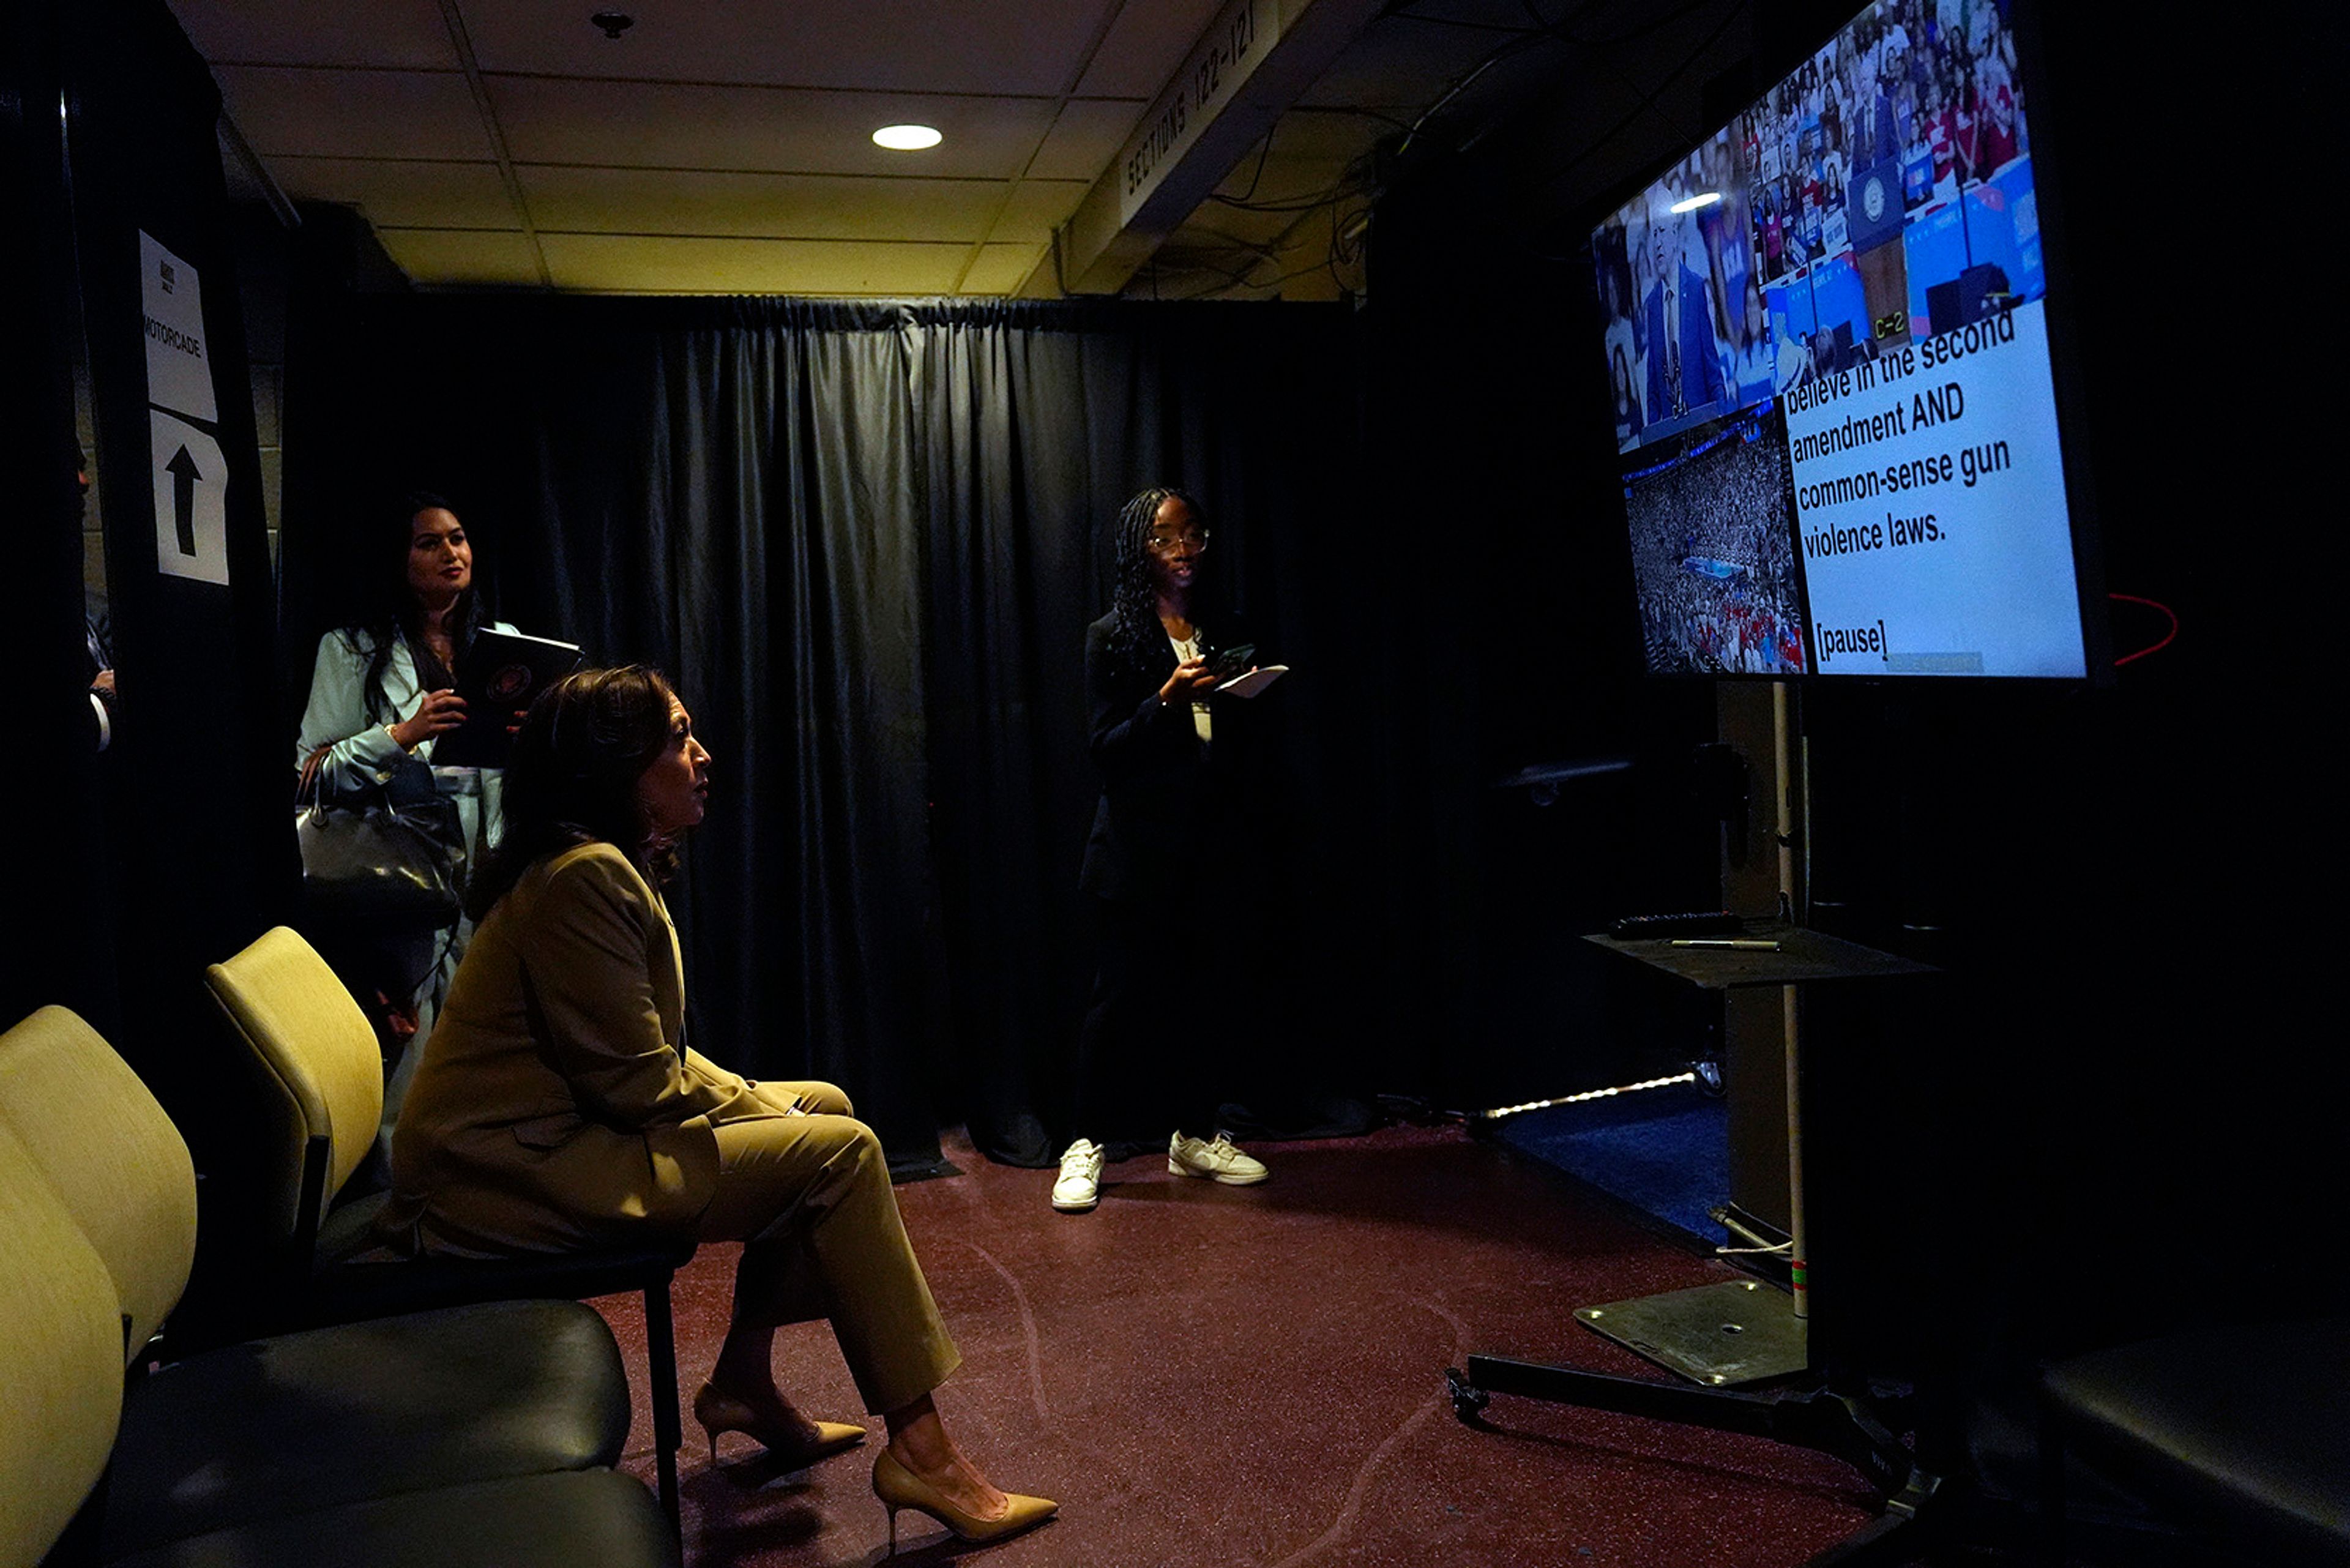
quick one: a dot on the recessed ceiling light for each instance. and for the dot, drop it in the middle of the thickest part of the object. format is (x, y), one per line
(613, 23)
(1703, 199)
(906, 137)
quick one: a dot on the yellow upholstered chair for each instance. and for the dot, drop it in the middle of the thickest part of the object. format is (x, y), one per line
(334, 1415)
(481, 1435)
(319, 1074)
(112, 1157)
(313, 1059)
(60, 1361)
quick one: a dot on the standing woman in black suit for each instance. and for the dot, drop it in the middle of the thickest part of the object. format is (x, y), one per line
(1167, 865)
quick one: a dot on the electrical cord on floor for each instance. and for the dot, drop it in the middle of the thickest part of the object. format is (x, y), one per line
(1498, 1112)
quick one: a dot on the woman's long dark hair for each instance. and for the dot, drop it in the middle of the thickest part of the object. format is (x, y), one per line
(393, 613)
(1134, 600)
(573, 778)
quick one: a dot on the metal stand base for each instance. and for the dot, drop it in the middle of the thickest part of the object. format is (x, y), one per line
(1853, 1429)
(1735, 1332)
(1704, 1334)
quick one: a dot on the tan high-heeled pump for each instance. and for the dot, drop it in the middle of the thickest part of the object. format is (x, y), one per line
(719, 1411)
(898, 1487)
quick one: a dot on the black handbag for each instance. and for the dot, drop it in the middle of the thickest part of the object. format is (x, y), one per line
(388, 856)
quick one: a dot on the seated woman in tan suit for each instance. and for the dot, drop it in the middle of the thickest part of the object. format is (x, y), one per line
(557, 1107)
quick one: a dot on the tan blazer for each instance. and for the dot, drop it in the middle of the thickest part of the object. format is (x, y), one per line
(552, 1109)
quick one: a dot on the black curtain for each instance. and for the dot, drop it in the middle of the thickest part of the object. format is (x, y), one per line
(68, 956)
(865, 539)
(170, 850)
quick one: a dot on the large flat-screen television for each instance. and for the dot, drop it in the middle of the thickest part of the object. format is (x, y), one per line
(1826, 334)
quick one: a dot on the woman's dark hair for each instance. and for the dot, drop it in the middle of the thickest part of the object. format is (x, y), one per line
(577, 758)
(1134, 598)
(392, 612)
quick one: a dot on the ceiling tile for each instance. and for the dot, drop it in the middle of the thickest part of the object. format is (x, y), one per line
(404, 194)
(1037, 207)
(1228, 243)
(1405, 62)
(447, 258)
(1000, 269)
(1211, 227)
(777, 206)
(909, 45)
(1146, 45)
(1277, 181)
(658, 266)
(1593, 20)
(1085, 138)
(1196, 264)
(353, 114)
(1332, 133)
(776, 129)
(726, 146)
(383, 33)
(1315, 283)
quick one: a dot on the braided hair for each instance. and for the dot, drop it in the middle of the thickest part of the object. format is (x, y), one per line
(1134, 597)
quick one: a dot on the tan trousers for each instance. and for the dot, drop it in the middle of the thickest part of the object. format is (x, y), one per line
(809, 1198)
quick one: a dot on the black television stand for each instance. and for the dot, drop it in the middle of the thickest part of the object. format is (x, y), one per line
(1862, 1429)
(1859, 1425)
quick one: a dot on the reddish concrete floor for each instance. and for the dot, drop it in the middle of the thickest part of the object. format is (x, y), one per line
(1205, 1374)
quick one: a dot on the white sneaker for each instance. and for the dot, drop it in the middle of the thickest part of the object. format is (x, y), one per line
(1079, 1187)
(1217, 1160)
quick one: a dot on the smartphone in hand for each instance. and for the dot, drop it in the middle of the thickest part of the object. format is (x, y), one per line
(1229, 662)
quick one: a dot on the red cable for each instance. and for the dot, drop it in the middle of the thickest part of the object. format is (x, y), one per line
(2168, 638)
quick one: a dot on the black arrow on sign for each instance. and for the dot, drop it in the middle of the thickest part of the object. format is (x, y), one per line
(184, 474)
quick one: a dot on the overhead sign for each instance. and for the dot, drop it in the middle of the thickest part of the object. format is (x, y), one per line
(1235, 45)
(178, 371)
(190, 499)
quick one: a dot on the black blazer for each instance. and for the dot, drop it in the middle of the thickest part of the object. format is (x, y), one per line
(1171, 810)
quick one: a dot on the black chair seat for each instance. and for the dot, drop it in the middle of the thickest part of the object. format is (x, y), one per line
(361, 1411)
(348, 1291)
(346, 1284)
(315, 1067)
(2247, 1427)
(533, 1522)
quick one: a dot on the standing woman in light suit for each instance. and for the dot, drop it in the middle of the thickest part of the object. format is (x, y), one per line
(380, 694)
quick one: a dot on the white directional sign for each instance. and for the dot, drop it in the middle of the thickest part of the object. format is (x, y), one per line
(190, 491)
(178, 368)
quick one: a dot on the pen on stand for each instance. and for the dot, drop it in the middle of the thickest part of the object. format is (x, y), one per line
(1735, 944)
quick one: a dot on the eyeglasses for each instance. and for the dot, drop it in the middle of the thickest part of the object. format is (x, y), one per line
(1195, 538)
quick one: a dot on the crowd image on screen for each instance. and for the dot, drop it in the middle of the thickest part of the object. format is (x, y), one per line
(1902, 113)
(1686, 336)
(1881, 193)
(1714, 557)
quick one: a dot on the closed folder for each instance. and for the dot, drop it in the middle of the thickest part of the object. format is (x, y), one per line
(501, 672)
